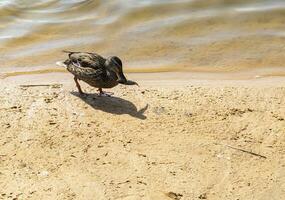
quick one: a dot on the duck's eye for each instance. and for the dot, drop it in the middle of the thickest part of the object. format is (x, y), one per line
(117, 61)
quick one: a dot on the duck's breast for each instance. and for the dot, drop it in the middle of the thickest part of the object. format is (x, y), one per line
(109, 80)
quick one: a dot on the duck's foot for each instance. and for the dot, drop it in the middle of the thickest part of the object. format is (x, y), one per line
(78, 86)
(104, 94)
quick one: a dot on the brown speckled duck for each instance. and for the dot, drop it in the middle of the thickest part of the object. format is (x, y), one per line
(95, 70)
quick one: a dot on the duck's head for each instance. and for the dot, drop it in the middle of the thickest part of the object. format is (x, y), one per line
(115, 64)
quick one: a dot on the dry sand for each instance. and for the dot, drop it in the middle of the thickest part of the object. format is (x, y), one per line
(169, 139)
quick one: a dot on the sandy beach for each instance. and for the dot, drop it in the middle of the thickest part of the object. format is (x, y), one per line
(207, 122)
(169, 139)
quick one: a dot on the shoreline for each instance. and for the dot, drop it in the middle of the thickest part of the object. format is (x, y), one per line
(185, 73)
(247, 75)
(171, 79)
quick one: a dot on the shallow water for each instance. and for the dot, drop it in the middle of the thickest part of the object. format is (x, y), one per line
(149, 35)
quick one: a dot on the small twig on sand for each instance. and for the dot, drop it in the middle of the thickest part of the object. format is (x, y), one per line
(43, 85)
(245, 151)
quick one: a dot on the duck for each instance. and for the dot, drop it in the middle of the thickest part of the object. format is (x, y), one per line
(95, 70)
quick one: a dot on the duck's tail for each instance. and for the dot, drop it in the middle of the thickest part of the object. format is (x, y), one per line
(71, 52)
(61, 64)
(65, 51)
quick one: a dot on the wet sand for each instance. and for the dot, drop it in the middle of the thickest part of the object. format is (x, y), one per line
(174, 137)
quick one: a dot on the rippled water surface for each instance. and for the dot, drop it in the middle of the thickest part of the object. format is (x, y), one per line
(149, 35)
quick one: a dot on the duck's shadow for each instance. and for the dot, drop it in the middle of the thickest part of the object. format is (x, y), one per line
(115, 105)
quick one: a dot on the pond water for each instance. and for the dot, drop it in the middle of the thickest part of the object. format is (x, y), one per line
(149, 35)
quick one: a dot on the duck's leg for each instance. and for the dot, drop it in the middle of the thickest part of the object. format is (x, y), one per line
(101, 93)
(78, 86)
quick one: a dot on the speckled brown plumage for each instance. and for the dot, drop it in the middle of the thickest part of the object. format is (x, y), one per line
(96, 70)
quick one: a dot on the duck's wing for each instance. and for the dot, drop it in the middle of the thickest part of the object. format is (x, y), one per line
(85, 73)
(85, 59)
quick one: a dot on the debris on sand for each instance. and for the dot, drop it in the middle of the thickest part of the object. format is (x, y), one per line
(174, 196)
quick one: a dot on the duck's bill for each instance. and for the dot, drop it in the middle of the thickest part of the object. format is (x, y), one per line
(122, 80)
(129, 82)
